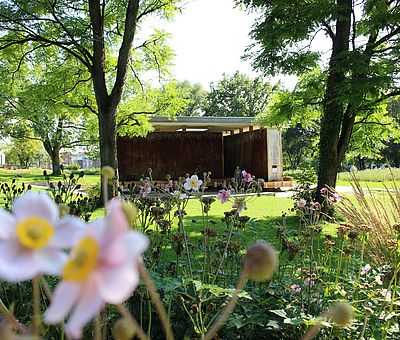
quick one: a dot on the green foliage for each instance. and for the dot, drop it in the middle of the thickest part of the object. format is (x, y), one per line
(25, 152)
(298, 147)
(135, 113)
(360, 74)
(196, 96)
(73, 166)
(238, 96)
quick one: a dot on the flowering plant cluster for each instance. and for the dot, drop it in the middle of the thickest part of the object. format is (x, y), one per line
(97, 262)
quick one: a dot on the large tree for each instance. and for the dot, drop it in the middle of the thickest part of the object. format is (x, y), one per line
(238, 95)
(100, 35)
(44, 103)
(362, 69)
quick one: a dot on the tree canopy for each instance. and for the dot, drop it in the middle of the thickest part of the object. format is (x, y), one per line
(238, 96)
(361, 72)
(98, 34)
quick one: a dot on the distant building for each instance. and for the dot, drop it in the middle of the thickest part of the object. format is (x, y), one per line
(2, 158)
(80, 158)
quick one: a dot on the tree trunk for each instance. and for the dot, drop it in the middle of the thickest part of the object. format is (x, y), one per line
(54, 154)
(333, 109)
(55, 161)
(108, 145)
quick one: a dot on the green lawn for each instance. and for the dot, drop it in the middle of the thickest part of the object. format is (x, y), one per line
(369, 184)
(35, 176)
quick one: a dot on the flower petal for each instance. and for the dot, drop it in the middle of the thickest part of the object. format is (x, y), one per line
(117, 223)
(64, 298)
(7, 225)
(50, 260)
(35, 204)
(65, 232)
(17, 263)
(117, 284)
(88, 306)
(131, 245)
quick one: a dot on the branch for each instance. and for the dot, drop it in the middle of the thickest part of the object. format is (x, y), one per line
(82, 49)
(125, 49)
(381, 99)
(125, 120)
(329, 30)
(82, 106)
(386, 37)
(84, 142)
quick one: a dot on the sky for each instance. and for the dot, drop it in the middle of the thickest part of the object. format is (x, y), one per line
(209, 38)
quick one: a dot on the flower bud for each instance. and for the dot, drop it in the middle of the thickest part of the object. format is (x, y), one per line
(123, 330)
(261, 261)
(63, 209)
(107, 172)
(368, 311)
(341, 313)
(130, 211)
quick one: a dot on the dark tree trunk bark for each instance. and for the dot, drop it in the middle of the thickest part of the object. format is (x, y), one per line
(54, 154)
(55, 162)
(333, 109)
(108, 145)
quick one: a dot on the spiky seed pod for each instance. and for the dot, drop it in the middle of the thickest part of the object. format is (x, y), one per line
(341, 313)
(107, 172)
(123, 330)
(261, 261)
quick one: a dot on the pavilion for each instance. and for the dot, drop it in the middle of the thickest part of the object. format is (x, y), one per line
(201, 144)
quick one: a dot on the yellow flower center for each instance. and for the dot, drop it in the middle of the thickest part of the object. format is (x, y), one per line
(82, 261)
(193, 183)
(34, 232)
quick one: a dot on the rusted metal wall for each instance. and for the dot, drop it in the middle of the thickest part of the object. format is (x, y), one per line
(174, 153)
(249, 151)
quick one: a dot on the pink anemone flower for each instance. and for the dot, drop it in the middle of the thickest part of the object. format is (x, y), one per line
(239, 204)
(32, 237)
(146, 189)
(301, 203)
(102, 268)
(224, 195)
(246, 176)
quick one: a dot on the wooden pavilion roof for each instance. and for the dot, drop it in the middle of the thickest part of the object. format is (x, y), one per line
(226, 125)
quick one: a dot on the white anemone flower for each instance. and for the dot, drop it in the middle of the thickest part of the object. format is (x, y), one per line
(193, 183)
(32, 237)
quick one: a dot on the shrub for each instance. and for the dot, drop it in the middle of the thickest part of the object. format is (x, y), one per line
(73, 166)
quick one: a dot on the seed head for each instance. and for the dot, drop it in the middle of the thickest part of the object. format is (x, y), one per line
(130, 211)
(107, 172)
(261, 261)
(341, 313)
(123, 330)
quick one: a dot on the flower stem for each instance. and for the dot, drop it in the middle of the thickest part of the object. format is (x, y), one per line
(229, 307)
(36, 306)
(11, 319)
(156, 300)
(97, 333)
(105, 193)
(313, 330)
(128, 316)
(185, 238)
(364, 327)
